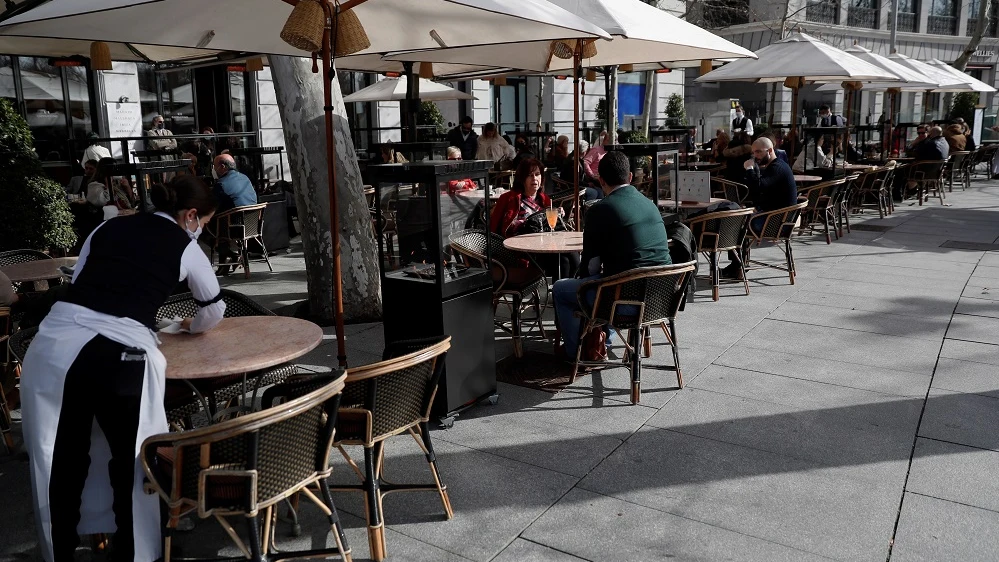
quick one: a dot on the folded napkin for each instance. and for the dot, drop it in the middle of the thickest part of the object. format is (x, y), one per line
(170, 325)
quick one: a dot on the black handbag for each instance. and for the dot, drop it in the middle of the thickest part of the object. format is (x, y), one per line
(537, 222)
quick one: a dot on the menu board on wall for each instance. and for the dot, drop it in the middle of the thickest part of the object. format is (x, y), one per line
(124, 120)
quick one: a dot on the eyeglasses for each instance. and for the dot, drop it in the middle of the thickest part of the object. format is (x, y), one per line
(921, 131)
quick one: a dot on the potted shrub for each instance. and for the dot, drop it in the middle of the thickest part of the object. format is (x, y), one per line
(675, 114)
(34, 212)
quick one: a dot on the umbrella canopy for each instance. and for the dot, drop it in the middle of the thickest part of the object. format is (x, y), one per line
(975, 84)
(254, 25)
(39, 47)
(642, 34)
(394, 89)
(945, 81)
(801, 56)
(908, 79)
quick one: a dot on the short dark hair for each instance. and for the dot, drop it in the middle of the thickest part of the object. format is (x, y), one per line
(824, 107)
(489, 127)
(524, 169)
(466, 119)
(614, 168)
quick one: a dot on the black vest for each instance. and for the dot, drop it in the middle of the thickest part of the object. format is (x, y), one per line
(132, 268)
(740, 123)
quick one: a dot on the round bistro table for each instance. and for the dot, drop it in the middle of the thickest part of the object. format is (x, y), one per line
(38, 270)
(689, 205)
(560, 242)
(227, 349)
(801, 178)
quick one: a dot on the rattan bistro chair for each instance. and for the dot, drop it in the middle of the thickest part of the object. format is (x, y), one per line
(727, 189)
(653, 295)
(246, 466)
(720, 232)
(236, 228)
(819, 209)
(957, 170)
(519, 294)
(778, 228)
(928, 177)
(390, 398)
(181, 401)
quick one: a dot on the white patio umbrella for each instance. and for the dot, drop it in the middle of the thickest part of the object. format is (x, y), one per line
(945, 82)
(797, 60)
(52, 47)
(394, 89)
(975, 84)
(256, 26)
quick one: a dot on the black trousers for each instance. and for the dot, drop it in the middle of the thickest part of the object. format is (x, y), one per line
(104, 382)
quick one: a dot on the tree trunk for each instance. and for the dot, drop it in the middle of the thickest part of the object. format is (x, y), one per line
(984, 8)
(541, 102)
(612, 124)
(650, 92)
(300, 101)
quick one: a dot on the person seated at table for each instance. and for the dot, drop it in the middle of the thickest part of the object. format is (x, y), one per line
(935, 146)
(78, 184)
(453, 186)
(8, 297)
(955, 137)
(591, 160)
(624, 230)
(771, 187)
(524, 198)
(718, 146)
(969, 138)
(523, 149)
(232, 187)
(493, 147)
(390, 156)
(557, 152)
(192, 167)
(812, 156)
(780, 153)
(95, 358)
(921, 132)
(738, 152)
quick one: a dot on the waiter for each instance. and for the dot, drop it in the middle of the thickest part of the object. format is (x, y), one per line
(93, 378)
(741, 123)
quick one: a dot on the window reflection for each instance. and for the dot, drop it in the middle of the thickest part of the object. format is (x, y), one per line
(45, 106)
(237, 95)
(7, 80)
(175, 92)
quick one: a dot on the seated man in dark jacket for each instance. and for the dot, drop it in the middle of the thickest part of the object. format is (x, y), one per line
(771, 186)
(624, 230)
(934, 147)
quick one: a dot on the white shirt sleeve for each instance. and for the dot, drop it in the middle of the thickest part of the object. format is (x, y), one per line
(749, 126)
(195, 267)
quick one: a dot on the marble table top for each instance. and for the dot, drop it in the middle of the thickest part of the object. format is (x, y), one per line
(546, 243)
(804, 178)
(38, 270)
(238, 345)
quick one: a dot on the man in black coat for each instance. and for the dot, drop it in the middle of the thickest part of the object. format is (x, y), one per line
(464, 138)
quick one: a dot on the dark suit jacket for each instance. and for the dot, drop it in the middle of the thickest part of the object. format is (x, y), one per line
(468, 146)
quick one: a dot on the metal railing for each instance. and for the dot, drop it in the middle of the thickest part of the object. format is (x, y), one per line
(990, 28)
(906, 22)
(822, 12)
(862, 17)
(941, 25)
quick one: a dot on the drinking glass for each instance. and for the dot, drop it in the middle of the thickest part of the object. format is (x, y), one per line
(552, 216)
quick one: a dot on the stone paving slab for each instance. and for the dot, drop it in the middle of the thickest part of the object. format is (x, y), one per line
(978, 307)
(970, 351)
(967, 419)
(930, 530)
(974, 328)
(966, 377)
(955, 473)
(526, 551)
(901, 304)
(597, 527)
(829, 371)
(753, 492)
(924, 328)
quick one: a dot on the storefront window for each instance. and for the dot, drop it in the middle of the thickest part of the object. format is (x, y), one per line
(169, 94)
(46, 107)
(148, 94)
(237, 95)
(79, 101)
(7, 81)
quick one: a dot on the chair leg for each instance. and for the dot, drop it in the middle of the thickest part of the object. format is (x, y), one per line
(537, 314)
(373, 504)
(676, 352)
(5, 422)
(335, 526)
(715, 275)
(518, 346)
(790, 260)
(253, 532)
(246, 259)
(636, 366)
(825, 225)
(428, 449)
(646, 342)
(267, 258)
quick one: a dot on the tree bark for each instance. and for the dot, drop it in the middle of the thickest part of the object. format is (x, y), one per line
(984, 7)
(299, 95)
(650, 92)
(612, 124)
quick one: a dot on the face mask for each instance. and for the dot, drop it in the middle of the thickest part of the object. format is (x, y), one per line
(738, 115)
(160, 126)
(215, 173)
(197, 232)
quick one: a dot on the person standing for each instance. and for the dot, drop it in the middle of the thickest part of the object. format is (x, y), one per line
(93, 377)
(464, 138)
(94, 151)
(741, 123)
(491, 146)
(160, 138)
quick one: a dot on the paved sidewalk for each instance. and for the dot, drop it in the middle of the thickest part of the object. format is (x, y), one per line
(852, 416)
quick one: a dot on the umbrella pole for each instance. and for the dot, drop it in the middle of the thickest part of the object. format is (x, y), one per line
(577, 60)
(328, 77)
(794, 121)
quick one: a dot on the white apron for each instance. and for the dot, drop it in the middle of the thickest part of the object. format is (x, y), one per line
(61, 336)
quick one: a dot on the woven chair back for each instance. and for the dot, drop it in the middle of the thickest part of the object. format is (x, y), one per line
(726, 189)
(474, 242)
(397, 392)
(236, 304)
(659, 290)
(12, 257)
(724, 230)
(927, 170)
(280, 449)
(779, 224)
(19, 342)
(251, 217)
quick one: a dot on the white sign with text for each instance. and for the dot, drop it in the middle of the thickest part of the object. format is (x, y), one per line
(694, 186)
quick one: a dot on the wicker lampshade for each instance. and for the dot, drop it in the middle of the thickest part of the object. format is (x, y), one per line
(563, 48)
(794, 82)
(427, 70)
(100, 56)
(254, 64)
(591, 75)
(626, 68)
(350, 35)
(499, 81)
(705, 66)
(852, 85)
(304, 28)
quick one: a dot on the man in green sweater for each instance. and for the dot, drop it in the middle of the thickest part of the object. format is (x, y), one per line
(624, 230)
